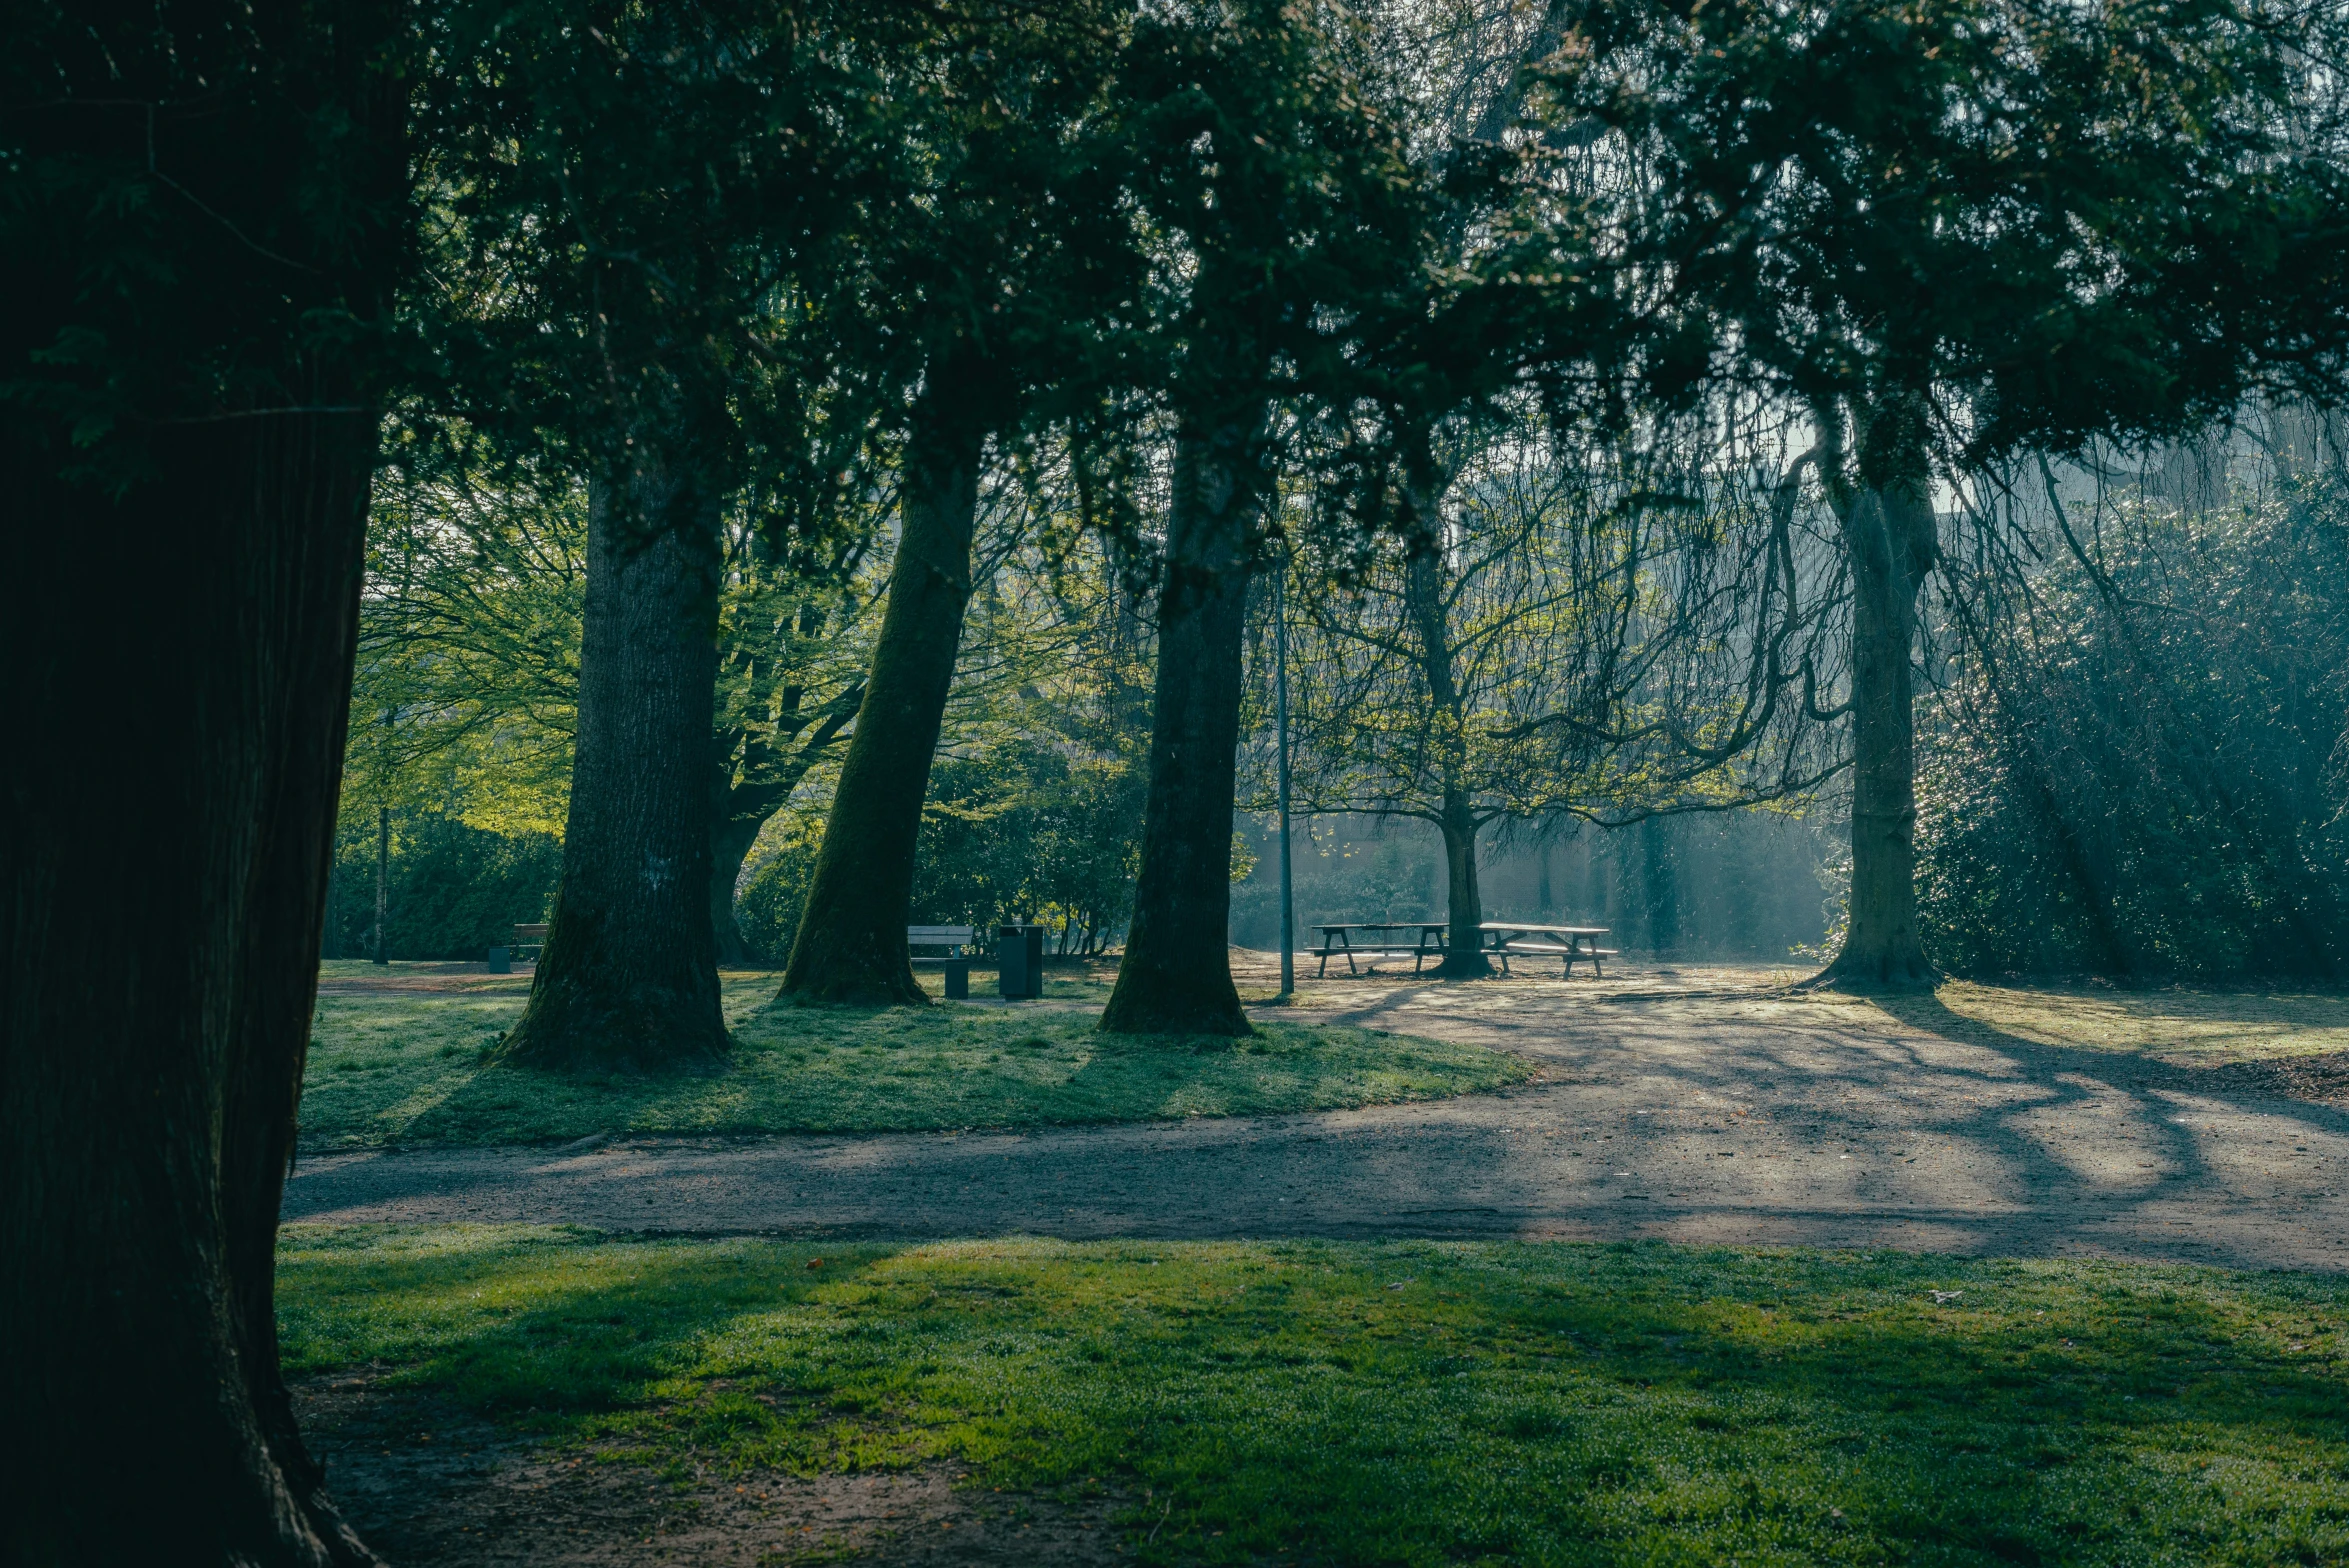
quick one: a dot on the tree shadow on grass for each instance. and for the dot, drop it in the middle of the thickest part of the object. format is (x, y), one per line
(906, 1070)
(1417, 1402)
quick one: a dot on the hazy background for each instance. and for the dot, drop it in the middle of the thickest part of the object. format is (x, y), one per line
(1729, 885)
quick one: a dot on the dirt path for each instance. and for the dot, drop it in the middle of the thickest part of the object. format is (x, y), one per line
(1694, 1106)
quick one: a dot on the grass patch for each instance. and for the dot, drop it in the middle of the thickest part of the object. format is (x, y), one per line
(410, 1067)
(2189, 1028)
(1411, 1402)
(2180, 1026)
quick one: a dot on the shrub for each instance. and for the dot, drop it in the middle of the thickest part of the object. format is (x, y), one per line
(2137, 775)
(455, 890)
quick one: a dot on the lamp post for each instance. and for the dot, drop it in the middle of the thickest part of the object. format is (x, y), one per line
(1280, 680)
(382, 882)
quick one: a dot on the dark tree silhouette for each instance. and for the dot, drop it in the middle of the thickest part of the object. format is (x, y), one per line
(205, 226)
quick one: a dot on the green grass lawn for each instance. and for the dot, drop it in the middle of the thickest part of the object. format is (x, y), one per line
(411, 1067)
(1413, 1402)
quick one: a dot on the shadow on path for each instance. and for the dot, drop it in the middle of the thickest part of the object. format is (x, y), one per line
(1752, 1119)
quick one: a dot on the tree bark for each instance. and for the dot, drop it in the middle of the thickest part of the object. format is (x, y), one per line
(850, 947)
(165, 902)
(1889, 540)
(1176, 975)
(162, 884)
(1660, 886)
(730, 842)
(1464, 957)
(740, 809)
(628, 977)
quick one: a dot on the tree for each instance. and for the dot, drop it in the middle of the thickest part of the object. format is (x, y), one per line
(1948, 232)
(204, 222)
(1036, 798)
(1000, 274)
(631, 195)
(469, 653)
(788, 689)
(1033, 800)
(1503, 304)
(1590, 635)
(1283, 199)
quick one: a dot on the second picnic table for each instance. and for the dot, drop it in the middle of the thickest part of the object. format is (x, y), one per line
(1425, 941)
(1421, 940)
(1571, 944)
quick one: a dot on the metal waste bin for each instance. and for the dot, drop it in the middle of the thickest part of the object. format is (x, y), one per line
(958, 979)
(501, 960)
(1019, 961)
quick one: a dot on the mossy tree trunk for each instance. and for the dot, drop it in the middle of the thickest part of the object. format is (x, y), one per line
(628, 977)
(1890, 543)
(850, 947)
(1176, 975)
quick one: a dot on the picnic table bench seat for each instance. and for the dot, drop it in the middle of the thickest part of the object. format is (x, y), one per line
(1337, 941)
(1556, 948)
(1570, 945)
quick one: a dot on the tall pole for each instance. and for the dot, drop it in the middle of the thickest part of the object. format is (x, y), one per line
(1280, 680)
(382, 881)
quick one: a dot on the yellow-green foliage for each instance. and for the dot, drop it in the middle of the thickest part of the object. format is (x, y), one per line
(411, 1067)
(1413, 1402)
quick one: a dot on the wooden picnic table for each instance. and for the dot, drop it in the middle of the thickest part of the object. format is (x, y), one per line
(1523, 939)
(1337, 941)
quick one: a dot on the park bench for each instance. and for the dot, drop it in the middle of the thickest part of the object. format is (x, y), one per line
(526, 942)
(958, 942)
(1569, 944)
(1370, 941)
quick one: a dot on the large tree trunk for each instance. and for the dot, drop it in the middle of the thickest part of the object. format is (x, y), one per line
(1889, 540)
(162, 884)
(1176, 975)
(851, 947)
(628, 976)
(159, 936)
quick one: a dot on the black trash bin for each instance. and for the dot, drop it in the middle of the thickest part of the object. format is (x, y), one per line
(501, 960)
(1019, 961)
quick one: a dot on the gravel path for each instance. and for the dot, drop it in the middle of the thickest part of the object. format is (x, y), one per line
(1686, 1106)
